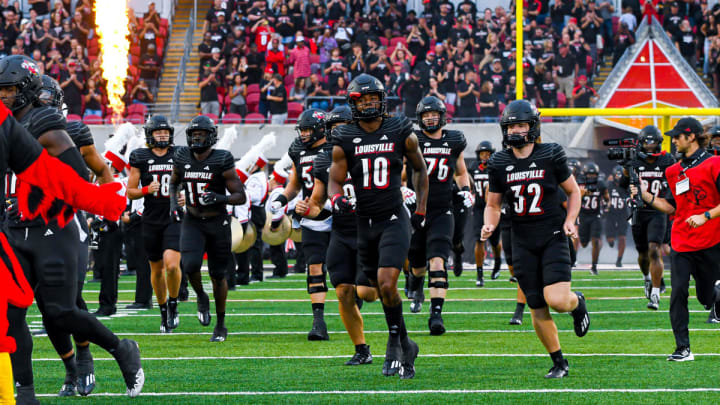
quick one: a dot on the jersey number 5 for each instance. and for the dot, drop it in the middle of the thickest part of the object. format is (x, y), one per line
(307, 177)
(376, 172)
(534, 191)
(195, 192)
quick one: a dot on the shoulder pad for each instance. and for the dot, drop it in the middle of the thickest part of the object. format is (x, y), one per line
(42, 119)
(182, 155)
(500, 158)
(457, 136)
(399, 123)
(138, 157)
(79, 133)
(295, 148)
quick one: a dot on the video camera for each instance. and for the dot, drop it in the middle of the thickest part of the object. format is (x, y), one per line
(624, 151)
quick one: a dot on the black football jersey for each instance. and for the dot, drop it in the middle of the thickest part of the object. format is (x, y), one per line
(618, 200)
(592, 202)
(480, 179)
(344, 223)
(375, 162)
(201, 176)
(532, 185)
(653, 176)
(79, 133)
(441, 158)
(303, 158)
(154, 168)
(18, 150)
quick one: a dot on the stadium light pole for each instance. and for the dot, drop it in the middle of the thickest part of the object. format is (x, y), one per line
(519, 49)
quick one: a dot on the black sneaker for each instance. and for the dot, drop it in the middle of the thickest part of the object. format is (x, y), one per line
(173, 318)
(681, 354)
(495, 274)
(26, 395)
(203, 309)
(219, 334)
(164, 328)
(139, 305)
(86, 372)
(516, 320)
(360, 358)
(183, 295)
(654, 302)
(127, 355)
(618, 262)
(558, 370)
(437, 327)
(393, 357)
(410, 353)
(581, 318)
(713, 316)
(594, 270)
(513, 279)
(318, 331)
(648, 288)
(418, 299)
(457, 265)
(68, 389)
(479, 282)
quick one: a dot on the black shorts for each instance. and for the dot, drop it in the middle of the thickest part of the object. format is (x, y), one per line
(506, 232)
(668, 231)
(383, 242)
(590, 227)
(315, 245)
(434, 240)
(342, 258)
(159, 238)
(209, 235)
(479, 221)
(650, 227)
(615, 226)
(541, 257)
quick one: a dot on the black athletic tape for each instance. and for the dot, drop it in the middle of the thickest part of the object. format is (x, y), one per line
(317, 279)
(438, 274)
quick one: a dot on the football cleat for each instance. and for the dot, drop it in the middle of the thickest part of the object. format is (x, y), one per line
(26, 395)
(654, 303)
(68, 389)
(360, 358)
(515, 320)
(393, 357)
(681, 354)
(479, 282)
(203, 309)
(417, 302)
(662, 286)
(127, 355)
(495, 273)
(618, 262)
(581, 318)
(318, 331)
(173, 317)
(594, 270)
(457, 265)
(164, 328)
(183, 295)
(648, 288)
(437, 327)
(86, 372)
(513, 279)
(558, 370)
(219, 334)
(410, 353)
(713, 316)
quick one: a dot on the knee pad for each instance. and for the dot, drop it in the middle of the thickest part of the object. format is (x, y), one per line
(318, 279)
(438, 274)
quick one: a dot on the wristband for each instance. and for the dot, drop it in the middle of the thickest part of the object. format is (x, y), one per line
(307, 211)
(652, 200)
(145, 190)
(335, 197)
(707, 215)
(282, 199)
(465, 188)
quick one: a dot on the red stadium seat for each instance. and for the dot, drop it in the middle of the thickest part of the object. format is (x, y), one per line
(212, 117)
(253, 88)
(562, 100)
(254, 118)
(384, 42)
(164, 23)
(135, 118)
(93, 120)
(288, 81)
(137, 109)
(450, 109)
(231, 118)
(252, 101)
(501, 107)
(294, 110)
(395, 40)
(74, 117)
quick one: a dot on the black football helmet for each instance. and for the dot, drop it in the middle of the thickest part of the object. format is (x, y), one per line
(518, 111)
(341, 114)
(360, 86)
(50, 93)
(313, 119)
(199, 144)
(154, 123)
(591, 169)
(618, 172)
(428, 104)
(21, 72)
(574, 166)
(484, 146)
(650, 139)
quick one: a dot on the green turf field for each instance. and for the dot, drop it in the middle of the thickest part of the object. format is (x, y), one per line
(267, 358)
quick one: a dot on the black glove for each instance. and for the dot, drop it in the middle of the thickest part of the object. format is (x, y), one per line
(418, 221)
(12, 212)
(211, 197)
(341, 204)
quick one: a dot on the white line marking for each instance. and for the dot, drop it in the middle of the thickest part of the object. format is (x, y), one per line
(405, 392)
(447, 300)
(638, 287)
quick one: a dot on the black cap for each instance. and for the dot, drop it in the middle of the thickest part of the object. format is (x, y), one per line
(686, 126)
(674, 4)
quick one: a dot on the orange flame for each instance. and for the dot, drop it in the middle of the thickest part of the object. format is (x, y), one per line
(111, 20)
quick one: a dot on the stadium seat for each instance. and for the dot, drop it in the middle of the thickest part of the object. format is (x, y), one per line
(384, 42)
(254, 118)
(562, 100)
(395, 40)
(73, 117)
(294, 110)
(450, 109)
(212, 117)
(135, 118)
(93, 120)
(252, 101)
(501, 107)
(253, 88)
(137, 109)
(164, 23)
(231, 118)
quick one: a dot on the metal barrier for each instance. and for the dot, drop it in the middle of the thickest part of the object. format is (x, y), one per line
(182, 70)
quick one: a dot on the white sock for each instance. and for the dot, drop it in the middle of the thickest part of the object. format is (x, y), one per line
(655, 290)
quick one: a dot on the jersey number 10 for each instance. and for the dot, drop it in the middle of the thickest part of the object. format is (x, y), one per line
(376, 172)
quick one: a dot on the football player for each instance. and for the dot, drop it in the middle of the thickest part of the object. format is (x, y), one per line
(594, 195)
(479, 173)
(616, 223)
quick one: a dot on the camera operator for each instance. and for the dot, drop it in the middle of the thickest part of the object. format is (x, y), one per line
(594, 194)
(714, 135)
(694, 198)
(648, 230)
(617, 214)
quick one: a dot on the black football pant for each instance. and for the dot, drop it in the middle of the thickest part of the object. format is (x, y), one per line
(278, 259)
(143, 287)
(704, 267)
(48, 256)
(107, 261)
(83, 256)
(255, 253)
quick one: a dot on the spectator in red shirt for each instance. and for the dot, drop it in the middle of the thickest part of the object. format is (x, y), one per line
(275, 57)
(263, 31)
(300, 58)
(583, 95)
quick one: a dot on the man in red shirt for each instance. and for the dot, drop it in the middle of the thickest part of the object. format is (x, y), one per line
(694, 199)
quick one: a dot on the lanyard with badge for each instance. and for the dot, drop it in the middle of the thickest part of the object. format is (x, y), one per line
(683, 185)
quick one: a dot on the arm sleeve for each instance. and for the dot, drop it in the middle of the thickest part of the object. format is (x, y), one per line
(495, 180)
(560, 166)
